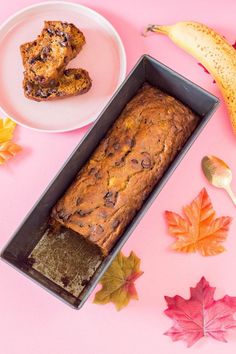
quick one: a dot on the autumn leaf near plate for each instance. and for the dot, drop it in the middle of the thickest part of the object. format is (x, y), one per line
(199, 229)
(201, 315)
(8, 149)
(118, 281)
(7, 127)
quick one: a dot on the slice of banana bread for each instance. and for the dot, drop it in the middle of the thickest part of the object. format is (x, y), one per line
(72, 82)
(46, 57)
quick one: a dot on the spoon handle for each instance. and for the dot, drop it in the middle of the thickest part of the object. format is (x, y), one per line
(231, 194)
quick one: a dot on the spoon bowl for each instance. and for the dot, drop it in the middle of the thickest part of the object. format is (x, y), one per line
(218, 173)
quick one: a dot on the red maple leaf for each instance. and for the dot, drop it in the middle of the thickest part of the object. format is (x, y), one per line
(201, 315)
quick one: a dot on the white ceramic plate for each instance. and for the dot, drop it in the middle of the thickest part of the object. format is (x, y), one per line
(103, 56)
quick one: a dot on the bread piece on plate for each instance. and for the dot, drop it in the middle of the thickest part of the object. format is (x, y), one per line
(72, 82)
(45, 58)
(125, 167)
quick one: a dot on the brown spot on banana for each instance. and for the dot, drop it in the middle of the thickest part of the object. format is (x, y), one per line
(210, 49)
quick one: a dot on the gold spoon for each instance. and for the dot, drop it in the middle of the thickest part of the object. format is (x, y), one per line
(218, 174)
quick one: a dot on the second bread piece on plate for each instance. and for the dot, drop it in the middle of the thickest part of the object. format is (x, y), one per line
(73, 82)
(45, 58)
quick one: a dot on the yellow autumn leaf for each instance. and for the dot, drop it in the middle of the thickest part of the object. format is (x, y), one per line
(118, 281)
(8, 150)
(7, 127)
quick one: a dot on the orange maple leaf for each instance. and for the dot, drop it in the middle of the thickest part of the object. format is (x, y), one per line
(8, 150)
(198, 230)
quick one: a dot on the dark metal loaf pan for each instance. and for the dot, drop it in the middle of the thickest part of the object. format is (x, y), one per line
(32, 228)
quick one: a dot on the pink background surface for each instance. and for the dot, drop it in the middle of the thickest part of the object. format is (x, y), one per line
(31, 320)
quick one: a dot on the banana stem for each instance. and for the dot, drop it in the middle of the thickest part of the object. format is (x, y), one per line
(157, 28)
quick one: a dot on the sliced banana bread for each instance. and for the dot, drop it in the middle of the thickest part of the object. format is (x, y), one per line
(45, 58)
(72, 82)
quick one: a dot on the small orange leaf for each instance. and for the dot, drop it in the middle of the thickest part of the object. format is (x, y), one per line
(198, 230)
(8, 150)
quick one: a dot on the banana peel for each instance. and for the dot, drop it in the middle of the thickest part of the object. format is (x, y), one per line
(211, 50)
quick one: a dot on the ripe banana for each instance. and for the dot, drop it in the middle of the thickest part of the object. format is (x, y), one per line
(210, 49)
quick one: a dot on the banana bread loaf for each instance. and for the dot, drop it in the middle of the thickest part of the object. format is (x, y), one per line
(123, 170)
(72, 82)
(45, 58)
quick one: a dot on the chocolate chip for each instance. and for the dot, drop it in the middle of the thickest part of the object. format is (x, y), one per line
(146, 162)
(62, 215)
(98, 175)
(44, 53)
(65, 280)
(41, 93)
(50, 31)
(40, 78)
(65, 38)
(108, 194)
(116, 146)
(78, 76)
(102, 214)
(53, 82)
(110, 199)
(97, 229)
(29, 87)
(134, 161)
(59, 33)
(84, 212)
(92, 171)
(34, 59)
(130, 142)
(115, 223)
(67, 72)
(52, 90)
(59, 93)
(78, 201)
(120, 162)
(64, 43)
